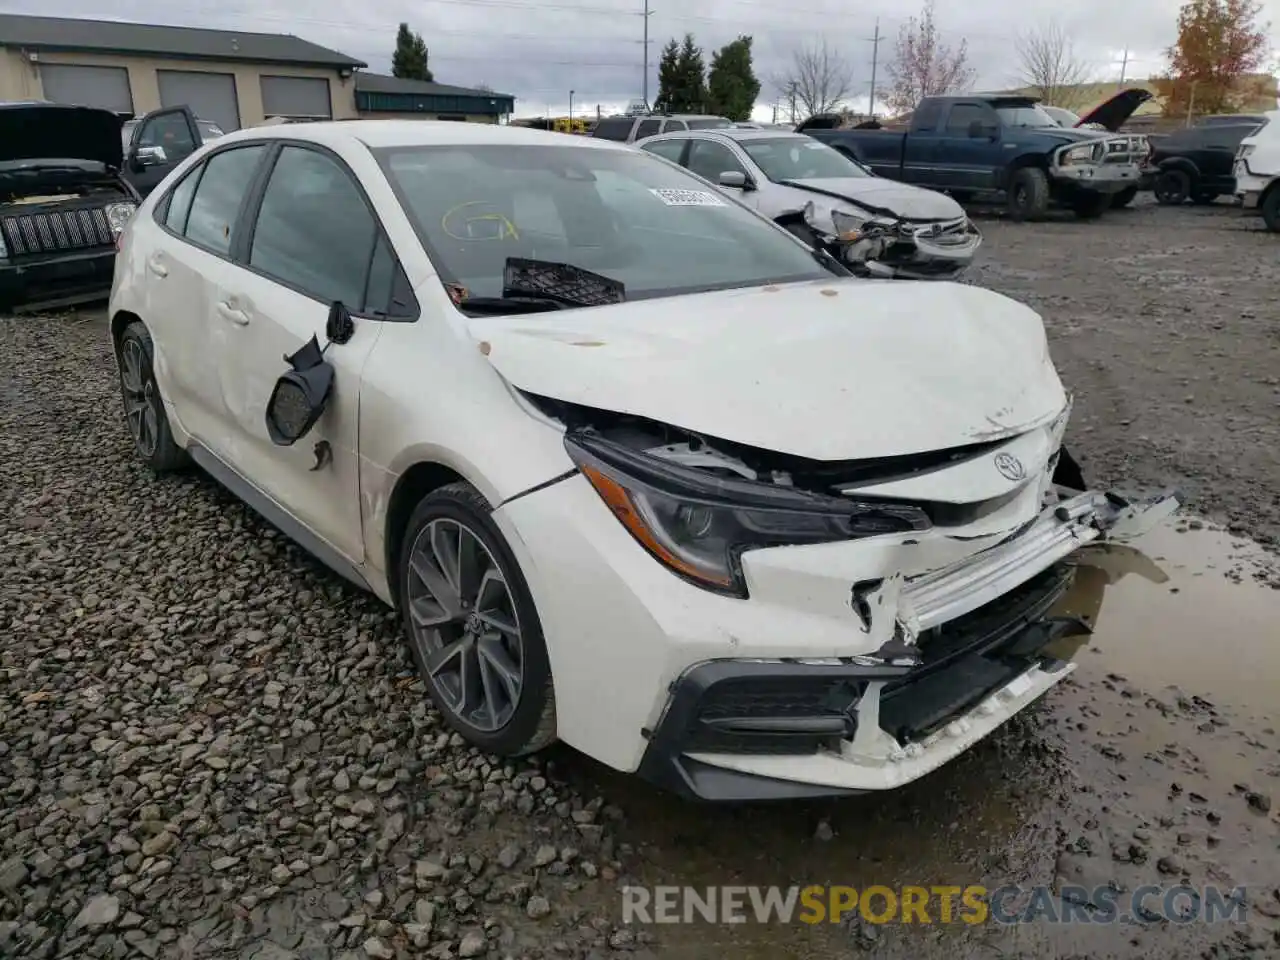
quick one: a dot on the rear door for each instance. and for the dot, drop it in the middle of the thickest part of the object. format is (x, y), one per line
(160, 141)
(187, 249)
(315, 240)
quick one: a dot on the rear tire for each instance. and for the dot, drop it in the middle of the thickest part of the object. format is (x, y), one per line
(1271, 209)
(144, 409)
(1124, 198)
(472, 627)
(1172, 187)
(1090, 206)
(1028, 194)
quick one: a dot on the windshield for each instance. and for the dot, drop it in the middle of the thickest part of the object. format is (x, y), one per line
(800, 158)
(1027, 116)
(620, 213)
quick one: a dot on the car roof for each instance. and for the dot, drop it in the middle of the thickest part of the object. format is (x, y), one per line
(737, 134)
(376, 134)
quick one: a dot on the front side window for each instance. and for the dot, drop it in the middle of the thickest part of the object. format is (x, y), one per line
(964, 114)
(618, 213)
(218, 196)
(314, 231)
(800, 158)
(709, 159)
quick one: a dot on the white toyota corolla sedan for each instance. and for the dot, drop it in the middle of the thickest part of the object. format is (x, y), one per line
(640, 470)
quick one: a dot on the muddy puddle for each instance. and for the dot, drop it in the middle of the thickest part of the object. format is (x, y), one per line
(1164, 731)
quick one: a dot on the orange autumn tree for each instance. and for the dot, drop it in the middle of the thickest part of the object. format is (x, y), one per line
(1220, 42)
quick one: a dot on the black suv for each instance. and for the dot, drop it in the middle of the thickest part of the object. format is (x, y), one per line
(63, 203)
(1198, 163)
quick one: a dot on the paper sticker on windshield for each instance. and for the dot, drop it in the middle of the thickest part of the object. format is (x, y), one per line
(687, 198)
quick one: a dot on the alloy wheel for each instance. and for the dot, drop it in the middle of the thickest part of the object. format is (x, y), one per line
(139, 398)
(464, 624)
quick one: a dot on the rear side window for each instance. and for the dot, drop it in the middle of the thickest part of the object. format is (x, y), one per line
(675, 125)
(314, 231)
(614, 128)
(647, 128)
(218, 196)
(179, 203)
(711, 123)
(927, 115)
(669, 149)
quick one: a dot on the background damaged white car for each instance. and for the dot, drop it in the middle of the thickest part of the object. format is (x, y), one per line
(829, 200)
(639, 470)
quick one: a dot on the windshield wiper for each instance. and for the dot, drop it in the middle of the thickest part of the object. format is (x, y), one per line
(510, 305)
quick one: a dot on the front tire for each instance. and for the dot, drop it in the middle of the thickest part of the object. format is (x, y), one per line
(1028, 194)
(1124, 198)
(143, 407)
(1090, 206)
(1271, 209)
(472, 626)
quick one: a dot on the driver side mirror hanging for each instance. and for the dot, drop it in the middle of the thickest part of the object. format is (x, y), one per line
(300, 395)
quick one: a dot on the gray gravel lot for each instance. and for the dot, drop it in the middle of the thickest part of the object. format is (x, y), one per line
(209, 747)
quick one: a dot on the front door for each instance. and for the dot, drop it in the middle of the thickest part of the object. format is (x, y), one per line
(710, 158)
(161, 140)
(313, 244)
(961, 160)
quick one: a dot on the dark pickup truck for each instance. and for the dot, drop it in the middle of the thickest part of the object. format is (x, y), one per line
(982, 146)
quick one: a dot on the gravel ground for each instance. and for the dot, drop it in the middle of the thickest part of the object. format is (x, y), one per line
(209, 747)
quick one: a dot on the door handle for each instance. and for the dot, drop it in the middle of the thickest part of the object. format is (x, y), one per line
(156, 266)
(233, 314)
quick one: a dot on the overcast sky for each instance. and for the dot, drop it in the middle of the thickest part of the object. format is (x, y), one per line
(538, 51)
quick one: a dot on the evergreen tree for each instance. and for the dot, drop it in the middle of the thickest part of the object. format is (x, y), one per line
(732, 86)
(690, 93)
(409, 62)
(668, 76)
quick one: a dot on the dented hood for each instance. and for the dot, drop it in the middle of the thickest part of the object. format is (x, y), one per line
(880, 195)
(829, 370)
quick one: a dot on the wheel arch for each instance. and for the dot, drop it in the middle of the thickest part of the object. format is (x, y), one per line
(420, 479)
(1040, 160)
(1184, 164)
(119, 320)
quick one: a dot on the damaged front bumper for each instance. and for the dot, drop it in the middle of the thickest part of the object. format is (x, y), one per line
(907, 250)
(968, 652)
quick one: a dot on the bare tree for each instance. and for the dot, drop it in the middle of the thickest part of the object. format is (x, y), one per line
(924, 66)
(819, 78)
(1049, 68)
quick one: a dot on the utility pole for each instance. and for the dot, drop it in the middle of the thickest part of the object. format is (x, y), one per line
(1124, 66)
(646, 15)
(875, 60)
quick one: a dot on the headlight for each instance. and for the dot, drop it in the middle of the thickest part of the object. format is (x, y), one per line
(1084, 153)
(118, 215)
(698, 524)
(849, 227)
(1244, 151)
(4, 250)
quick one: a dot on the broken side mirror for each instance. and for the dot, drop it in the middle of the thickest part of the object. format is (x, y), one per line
(300, 395)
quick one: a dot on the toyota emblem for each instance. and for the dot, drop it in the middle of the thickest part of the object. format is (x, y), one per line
(1010, 467)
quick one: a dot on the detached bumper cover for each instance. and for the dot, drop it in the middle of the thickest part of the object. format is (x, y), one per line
(974, 636)
(54, 280)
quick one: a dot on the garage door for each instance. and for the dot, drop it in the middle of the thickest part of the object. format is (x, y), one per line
(211, 96)
(106, 87)
(301, 97)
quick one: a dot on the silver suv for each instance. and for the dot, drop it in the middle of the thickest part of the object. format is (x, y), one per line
(631, 129)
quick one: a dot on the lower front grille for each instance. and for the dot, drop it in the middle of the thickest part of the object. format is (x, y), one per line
(56, 231)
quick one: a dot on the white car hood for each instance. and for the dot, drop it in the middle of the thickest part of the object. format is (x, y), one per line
(914, 203)
(830, 370)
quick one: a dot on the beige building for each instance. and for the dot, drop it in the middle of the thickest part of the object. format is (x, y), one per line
(232, 78)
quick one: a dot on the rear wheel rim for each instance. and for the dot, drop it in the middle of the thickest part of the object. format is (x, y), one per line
(464, 625)
(139, 390)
